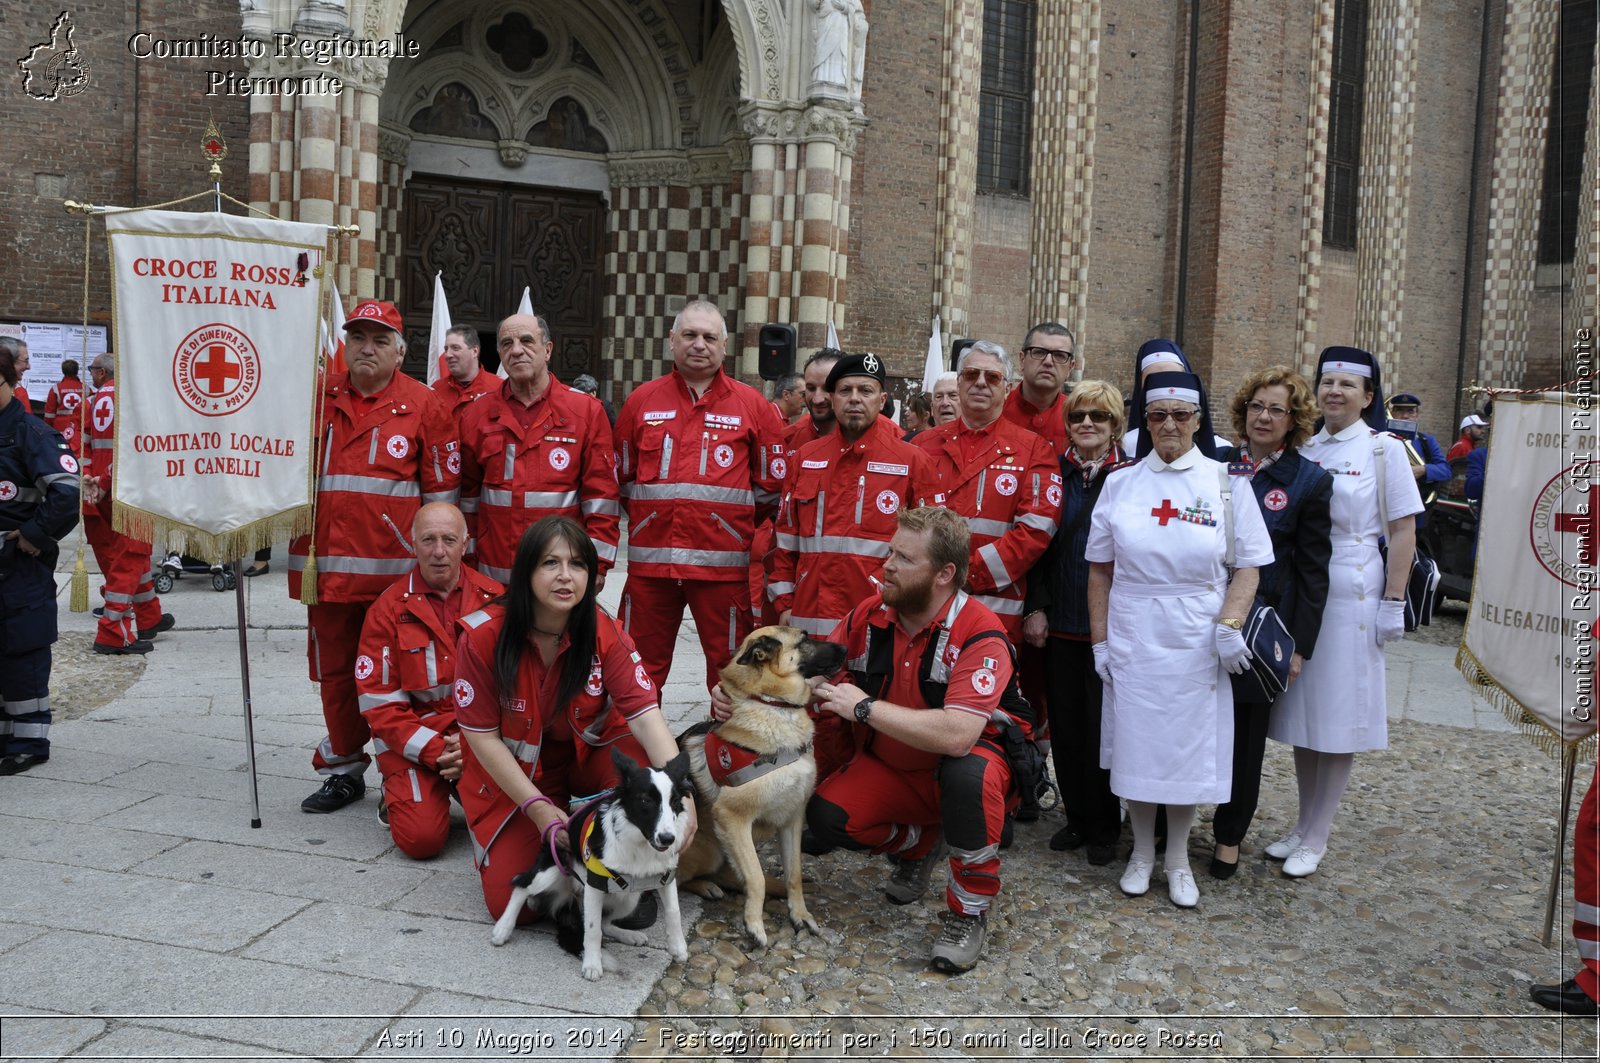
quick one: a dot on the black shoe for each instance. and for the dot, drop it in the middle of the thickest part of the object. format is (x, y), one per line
(1221, 869)
(1066, 840)
(99, 610)
(337, 791)
(139, 646)
(642, 917)
(811, 845)
(166, 623)
(260, 568)
(17, 763)
(1567, 997)
(1100, 855)
(1007, 833)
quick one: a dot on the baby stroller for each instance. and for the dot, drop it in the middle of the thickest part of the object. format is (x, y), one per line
(175, 565)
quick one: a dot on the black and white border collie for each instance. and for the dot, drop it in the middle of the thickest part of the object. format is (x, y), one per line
(621, 846)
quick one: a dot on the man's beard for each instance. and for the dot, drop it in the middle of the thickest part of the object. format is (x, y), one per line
(908, 598)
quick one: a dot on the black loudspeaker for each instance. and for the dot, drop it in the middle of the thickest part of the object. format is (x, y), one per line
(775, 347)
(957, 348)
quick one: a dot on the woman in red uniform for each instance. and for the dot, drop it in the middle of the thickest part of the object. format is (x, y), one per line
(547, 683)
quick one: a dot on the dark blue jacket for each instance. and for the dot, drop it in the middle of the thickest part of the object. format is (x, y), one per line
(38, 483)
(1059, 583)
(1294, 496)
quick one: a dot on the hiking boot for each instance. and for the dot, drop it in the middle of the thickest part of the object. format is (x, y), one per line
(910, 879)
(164, 624)
(139, 646)
(337, 791)
(960, 942)
(642, 917)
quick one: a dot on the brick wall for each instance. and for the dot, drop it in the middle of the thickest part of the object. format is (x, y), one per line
(131, 137)
(999, 308)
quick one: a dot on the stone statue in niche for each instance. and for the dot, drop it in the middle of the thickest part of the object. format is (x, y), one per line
(567, 127)
(839, 47)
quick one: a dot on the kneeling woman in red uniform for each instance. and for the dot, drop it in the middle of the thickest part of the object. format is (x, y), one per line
(547, 682)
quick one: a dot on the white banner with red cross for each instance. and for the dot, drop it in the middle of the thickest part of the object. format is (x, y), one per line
(215, 334)
(1530, 639)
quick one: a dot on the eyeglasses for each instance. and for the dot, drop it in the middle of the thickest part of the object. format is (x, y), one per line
(1097, 416)
(1180, 417)
(1042, 353)
(1257, 409)
(993, 377)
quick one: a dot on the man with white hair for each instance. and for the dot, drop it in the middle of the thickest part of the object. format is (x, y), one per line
(946, 400)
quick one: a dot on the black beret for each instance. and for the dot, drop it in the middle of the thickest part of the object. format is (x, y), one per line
(857, 365)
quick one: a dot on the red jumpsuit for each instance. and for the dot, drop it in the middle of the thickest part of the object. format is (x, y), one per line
(380, 459)
(560, 463)
(1586, 888)
(405, 675)
(893, 798)
(841, 504)
(457, 398)
(697, 475)
(1049, 424)
(131, 604)
(61, 409)
(566, 751)
(999, 478)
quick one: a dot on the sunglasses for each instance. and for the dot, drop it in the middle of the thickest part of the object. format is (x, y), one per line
(1097, 416)
(993, 377)
(1160, 416)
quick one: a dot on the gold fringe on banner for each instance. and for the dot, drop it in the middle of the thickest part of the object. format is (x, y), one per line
(1534, 729)
(146, 527)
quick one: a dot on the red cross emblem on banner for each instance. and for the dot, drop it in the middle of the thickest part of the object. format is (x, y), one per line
(1165, 512)
(1582, 525)
(216, 368)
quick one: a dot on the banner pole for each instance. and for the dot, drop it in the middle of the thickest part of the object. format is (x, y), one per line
(244, 684)
(1569, 756)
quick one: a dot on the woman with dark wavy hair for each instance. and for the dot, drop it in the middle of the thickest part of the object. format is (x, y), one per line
(1274, 412)
(547, 683)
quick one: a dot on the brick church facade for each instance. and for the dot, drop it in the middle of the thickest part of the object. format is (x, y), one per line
(1256, 179)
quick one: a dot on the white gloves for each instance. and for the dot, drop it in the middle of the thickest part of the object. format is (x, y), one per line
(1391, 621)
(1231, 649)
(1102, 661)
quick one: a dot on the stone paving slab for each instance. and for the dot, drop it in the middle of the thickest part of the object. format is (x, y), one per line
(56, 801)
(230, 785)
(326, 878)
(26, 1032)
(228, 821)
(151, 1043)
(86, 845)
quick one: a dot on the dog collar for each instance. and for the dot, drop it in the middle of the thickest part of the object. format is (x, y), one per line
(731, 764)
(777, 703)
(603, 878)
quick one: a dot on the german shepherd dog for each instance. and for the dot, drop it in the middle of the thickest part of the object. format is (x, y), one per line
(754, 772)
(621, 845)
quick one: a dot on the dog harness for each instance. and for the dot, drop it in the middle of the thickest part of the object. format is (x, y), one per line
(731, 764)
(601, 877)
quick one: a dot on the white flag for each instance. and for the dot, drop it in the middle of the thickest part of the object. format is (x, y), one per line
(436, 335)
(1530, 634)
(833, 337)
(216, 372)
(333, 334)
(933, 368)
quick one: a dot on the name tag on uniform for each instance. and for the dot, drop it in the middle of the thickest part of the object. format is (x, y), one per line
(885, 467)
(723, 420)
(813, 465)
(657, 416)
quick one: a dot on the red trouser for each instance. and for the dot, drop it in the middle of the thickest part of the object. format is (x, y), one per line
(652, 613)
(131, 602)
(1586, 888)
(418, 801)
(761, 544)
(868, 804)
(566, 769)
(333, 632)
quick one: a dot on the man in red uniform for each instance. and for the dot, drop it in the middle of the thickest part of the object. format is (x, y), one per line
(466, 381)
(819, 404)
(789, 397)
(1580, 994)
(1003, 479)
(132, 614)
(1474, 430)
(700, 456)
(385, 448)
(841, 501)
(534, 448)
(929, 689)
(405, 673)
(61, 405)
(1036, 402)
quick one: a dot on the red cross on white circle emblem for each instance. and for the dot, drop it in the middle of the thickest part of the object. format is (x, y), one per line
(983, 681)
(363, 666)
(1276, 499)
(560, 459)
(1006, 484)
(888, 502)
(102, 413)
(399, 446)
(8, 490)
(464, 693)
(723, 455)
(453, 463)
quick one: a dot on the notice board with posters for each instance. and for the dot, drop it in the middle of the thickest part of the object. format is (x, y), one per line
(48, 346)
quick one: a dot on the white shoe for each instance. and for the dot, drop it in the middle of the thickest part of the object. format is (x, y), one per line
(1136, 879)
(1302, 862)
(1181, 887)
(1280, 849)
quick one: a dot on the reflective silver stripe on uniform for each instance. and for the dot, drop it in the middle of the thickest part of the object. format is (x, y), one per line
(29, 494)
(674, 555)
(913, 836)
(971, 903)
(508, 470)
(27, 706)
(1588, 950)
(843, 544)
(30, 730)
(1002, 606)
(419, 738)
(996, 566)
(416, 787)
(356, 566)
(627, 613)
(501, 575)
(637, 528)
(327, 450)
(379, 745)
(705, 450)
(476, 617)
(694, 492)
(821, 496)
(5, 726)
(1038, 520)
(371, 485)
(787, 541)
(438, 473)
(728, 528)
(353, 764)
(101, 444)
(526, 752)
(814, 625)
(117, 596)
(316, 653)
(145, 596)
(779, 588)
(1585, 913)
(666, 459)
(372, 452)
(469, 504)
(441, 496)
(856, 664)
(733, 629)
(366, 702)
(58, 478)
(981, 526)
(384, 675)
(627, 458)
(975, 856)
(549, 499)
(607, 551)
(430, 659)
(591, 506)
(497, 496)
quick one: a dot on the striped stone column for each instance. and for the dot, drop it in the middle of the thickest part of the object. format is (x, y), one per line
(1383, 204)
(1313, 190)
(1061, 170)
(1586, 252)
(960, 84)
(1516, 179)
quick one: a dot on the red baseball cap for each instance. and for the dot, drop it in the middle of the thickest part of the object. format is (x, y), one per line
(375, 312)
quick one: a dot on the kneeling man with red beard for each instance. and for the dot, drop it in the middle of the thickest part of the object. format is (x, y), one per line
(929, 688)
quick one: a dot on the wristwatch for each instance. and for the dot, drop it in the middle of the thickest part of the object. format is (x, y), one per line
(864, 709)
(1392, 598)
(1231, 621)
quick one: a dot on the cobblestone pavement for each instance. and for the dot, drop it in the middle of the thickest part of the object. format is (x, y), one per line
(1418, 937)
